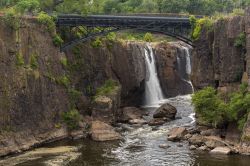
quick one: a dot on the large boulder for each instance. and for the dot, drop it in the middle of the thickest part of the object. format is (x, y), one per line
(165, 111)
(101, 131)
(177, 134)
(221, 150)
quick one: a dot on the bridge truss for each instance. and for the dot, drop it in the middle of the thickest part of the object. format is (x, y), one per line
(101, 25)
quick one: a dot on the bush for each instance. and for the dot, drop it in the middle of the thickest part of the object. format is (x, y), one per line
(96, 43)
(240, 41)
(47, 20)
(111, 37)
(212, 110)
(238, 12)
(27, 6)
(206, 23)
(71, 119)
(108, 87)
(148, 37)
(209, 106)
(57, 40)
(12, 19)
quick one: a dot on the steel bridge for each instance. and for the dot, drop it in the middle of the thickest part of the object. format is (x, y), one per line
(176, 27)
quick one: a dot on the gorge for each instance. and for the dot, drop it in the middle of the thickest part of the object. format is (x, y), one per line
(48, 95)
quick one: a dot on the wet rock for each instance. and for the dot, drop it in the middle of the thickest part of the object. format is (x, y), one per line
(213, 142)
(187, 136)
(221, 150)
(156, 122)
(165, 111)
(101, 131)
(177, 134)
(179, 145)
(210, 132)
(138, 121)
(131, 113)
(196, 140)
(164, 146)
(192, 147)
(203, 148)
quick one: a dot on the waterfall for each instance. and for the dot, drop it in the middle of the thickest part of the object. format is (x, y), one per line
(153, 92)
(188, 67)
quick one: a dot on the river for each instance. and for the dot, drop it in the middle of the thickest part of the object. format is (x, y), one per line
(140, 147)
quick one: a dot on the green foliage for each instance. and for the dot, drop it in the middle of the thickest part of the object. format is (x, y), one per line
(111, 37)
(212, 110)
(47, 20)
(206, 23)
(24, 6)
(11, 18)
(33, 61)
(148, 37)
(64, 62)
(96, 43)
(209, 106)
(71, 119)
(57, 40)
(108, 87)
(19, 59)
(240, 41)
(238, 12)
(63, 80)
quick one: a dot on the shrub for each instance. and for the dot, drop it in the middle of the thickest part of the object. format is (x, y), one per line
(206, 23)
(209, 106)
(238, 12)
(57, 40)
(107, 88)
(19, 59)
(148, 37)
(111, 37)
(27, 6)
(96, 43)
(71, 119)
(240, 40)
(12, 19)
(47, 20)
(33, 61)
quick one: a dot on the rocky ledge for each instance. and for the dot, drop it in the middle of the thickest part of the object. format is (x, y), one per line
(207, 139)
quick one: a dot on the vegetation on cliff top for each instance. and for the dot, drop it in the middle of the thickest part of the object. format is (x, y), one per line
(108, 87)
(212, 109)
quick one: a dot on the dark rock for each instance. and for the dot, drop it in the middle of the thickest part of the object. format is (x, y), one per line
(165, 111)
(131, 113)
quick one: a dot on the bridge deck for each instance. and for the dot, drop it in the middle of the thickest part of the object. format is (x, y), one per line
(123, 21)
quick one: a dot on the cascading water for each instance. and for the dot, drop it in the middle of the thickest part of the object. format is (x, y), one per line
(153, 91)
(184, 65)
(188, 65)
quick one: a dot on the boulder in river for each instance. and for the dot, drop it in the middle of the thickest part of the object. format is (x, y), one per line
(165, 111)
(101, 131)
(138, 121)
(177, 134)
(221, 150)
(156, 122)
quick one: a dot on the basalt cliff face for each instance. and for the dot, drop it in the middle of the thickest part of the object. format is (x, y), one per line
(219, 61)
(37, 82)
(216, 60)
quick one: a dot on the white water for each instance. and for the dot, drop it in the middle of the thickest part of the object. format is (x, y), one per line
(188, 65)
(153, 92)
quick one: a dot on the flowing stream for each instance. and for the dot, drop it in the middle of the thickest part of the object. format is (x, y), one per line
(141, 144)
(153, 92)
